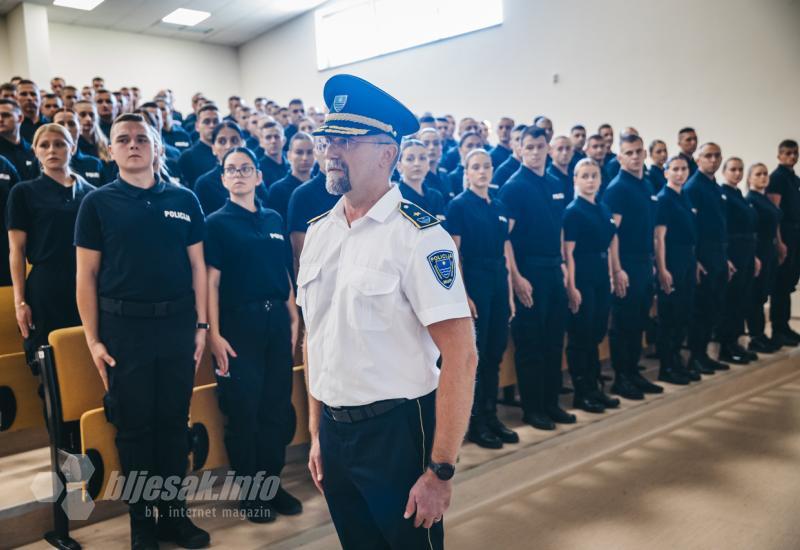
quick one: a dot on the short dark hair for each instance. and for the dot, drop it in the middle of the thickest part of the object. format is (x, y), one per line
(577, 127)
(27, 82)
(51, 96)
(533, 132)
(594, 137)
(300, 136)
(149, 105)
(234, 97)
(427, 119)
(519, 128)
(296, 100)
(130, 117)
(208, 107)
(441, 119)
(225, 124)
(604, 126)
(674, 158)
(98, 78)
(243, 150)
(686, 130)
(629, 138)
(787, 144)
(467, 135)
(9, 86)
(653, 145)
(12, 102)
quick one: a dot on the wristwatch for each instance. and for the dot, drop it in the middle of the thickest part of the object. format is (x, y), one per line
(204, 326)
(443, 470)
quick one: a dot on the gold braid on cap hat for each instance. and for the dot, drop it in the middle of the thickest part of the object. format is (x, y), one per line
(350, 117)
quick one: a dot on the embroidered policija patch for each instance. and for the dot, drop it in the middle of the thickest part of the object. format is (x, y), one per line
(443, 266)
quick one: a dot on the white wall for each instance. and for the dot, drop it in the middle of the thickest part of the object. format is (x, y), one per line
(150, 62)
(5, 51)
(727, 67)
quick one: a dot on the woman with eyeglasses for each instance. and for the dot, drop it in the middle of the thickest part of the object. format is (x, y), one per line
(210, 190)
(41, 227)
(254, 327)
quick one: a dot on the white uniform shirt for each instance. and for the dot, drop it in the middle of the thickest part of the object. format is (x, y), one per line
(368, 292)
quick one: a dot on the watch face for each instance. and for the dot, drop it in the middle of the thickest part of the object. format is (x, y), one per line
(444, 471)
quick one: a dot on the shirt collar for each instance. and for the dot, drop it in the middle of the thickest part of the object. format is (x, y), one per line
(233, 208)
(138, 192)
(380, 210)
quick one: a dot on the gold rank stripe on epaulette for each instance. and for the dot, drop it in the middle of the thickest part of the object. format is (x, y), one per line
(419, 217)
(317, 218)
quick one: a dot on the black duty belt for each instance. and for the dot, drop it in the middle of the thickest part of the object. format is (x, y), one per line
(542, 261)
(151, 310)
(350, 415)
(261, 305)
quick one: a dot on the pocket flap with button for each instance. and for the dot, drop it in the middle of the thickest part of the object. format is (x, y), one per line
(373, 283)
(307, 273)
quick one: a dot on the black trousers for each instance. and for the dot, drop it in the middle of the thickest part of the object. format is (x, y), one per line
(674, 309)
(149, 390)
(742, 252)
(50, 293)
(587, 328)
(538, 334)
(487, 286)
(257, 396)
(709, 298)
(370, 467)
(786, 279)
(762, 287)
(629, 315)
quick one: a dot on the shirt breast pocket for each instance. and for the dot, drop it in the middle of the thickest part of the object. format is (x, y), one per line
(307, 282)
(372, 301)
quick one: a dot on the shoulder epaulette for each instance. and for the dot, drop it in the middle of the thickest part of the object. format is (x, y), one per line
(317, 218)
(416, 215)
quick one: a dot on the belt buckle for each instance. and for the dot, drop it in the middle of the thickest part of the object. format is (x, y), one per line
(268, 305)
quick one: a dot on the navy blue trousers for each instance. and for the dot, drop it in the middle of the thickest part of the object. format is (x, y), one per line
(629, 315)
(674, 309)
(709, 299)
(369, 468)
(587, 328)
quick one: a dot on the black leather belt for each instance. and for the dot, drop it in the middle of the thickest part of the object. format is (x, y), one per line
(146, 310)
(350, 415)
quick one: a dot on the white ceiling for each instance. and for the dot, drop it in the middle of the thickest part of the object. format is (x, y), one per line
(232, 22)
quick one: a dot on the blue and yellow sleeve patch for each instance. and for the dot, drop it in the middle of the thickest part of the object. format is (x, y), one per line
(416, 215)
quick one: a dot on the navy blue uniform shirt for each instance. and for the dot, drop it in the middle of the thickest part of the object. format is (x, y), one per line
(784, 182)
(441, 182)
(8, 173)
(657, 178)
(89, 168)
(590, 226)
(22, 157)
(674, 210)
(505, 171)
(28, 128)
(450, 159)
(279, 194)
(272, 171)
(635, 201)
(709, 201)
(196, 161)
(566, 181)
(769, 216)
(212, 194)
(46, 211)
(307, 202)
(481, 224)
(536, 204)
(690, 161)
(143, 236)
(176, 137)
(499, 154)
(249, 249)
(611, 168)
(432, 202)
(742, 217)
(456, 179)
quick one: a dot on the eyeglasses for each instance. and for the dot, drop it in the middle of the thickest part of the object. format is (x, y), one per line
(245, 171)
(344, 143)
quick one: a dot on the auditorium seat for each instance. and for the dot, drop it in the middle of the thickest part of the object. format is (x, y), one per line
(20, 405)
(207, 426)
(10, 338)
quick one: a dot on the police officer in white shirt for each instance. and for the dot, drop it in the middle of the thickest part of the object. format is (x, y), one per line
(382, 297)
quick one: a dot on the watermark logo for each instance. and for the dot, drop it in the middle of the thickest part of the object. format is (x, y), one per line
(77, 469)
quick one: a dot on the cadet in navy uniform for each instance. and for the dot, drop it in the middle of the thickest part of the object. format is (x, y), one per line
(307, 202)
(88, 167)
(535, 206)
(12, 146)
(479, 227)
(273, 164)
(301, 160)
(589, 232)
(632, 203)
(413, 166)
(141, 290)
(596, 150)
(172, 133)
(784, 192)
(466, 143)
(380, 273)
(713, 267)
(254, 326)
(560, 167)
(768, 242)
(41, 223)
(676, 264)
(687, 142)
(436, 177)
(199, 158)
(209, 188)
(658, 156)
(502, 150)
(742, 221)
(509, 166)
(8, 173)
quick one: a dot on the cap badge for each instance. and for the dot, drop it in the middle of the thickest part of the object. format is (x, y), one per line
(339, 102)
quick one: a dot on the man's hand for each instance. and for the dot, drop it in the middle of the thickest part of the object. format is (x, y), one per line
(221, 350)
(783, 251)
(523, 290)
(665, 281)
(101, 360)
(24, 320)
(428, 500)
(315, 463)
(621, 283)
(575, 299)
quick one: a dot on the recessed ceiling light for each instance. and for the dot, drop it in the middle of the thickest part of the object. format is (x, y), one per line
(86, 5)
(185, 17)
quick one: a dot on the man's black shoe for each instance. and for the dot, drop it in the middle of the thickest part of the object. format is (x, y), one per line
(560, 416)
(760, 344)
(701, 365)
(644, 384)
(502, 431)
(625, 388)
(182, 532)
(730, 354)
(143, 531)
(588, 404)
(539, 421)
(716, 365)
(784, 339)
(482, 436)
(606, 400)
(258, 511)
(285, 503)
(673, 376)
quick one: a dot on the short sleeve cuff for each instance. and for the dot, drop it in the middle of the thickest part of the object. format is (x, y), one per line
(82, 243)
(442, 313)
